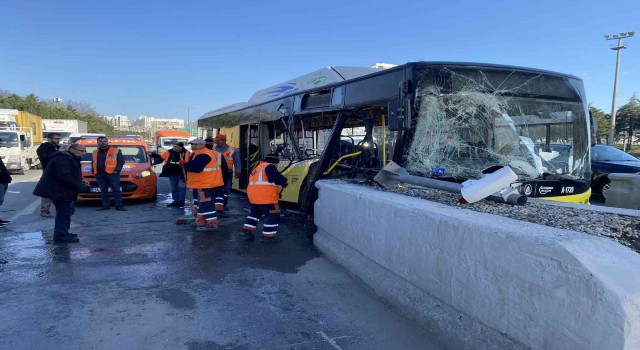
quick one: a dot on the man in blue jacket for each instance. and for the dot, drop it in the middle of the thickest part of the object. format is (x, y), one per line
(61, 182)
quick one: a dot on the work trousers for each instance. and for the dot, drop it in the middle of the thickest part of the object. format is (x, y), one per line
(271, 213)
(3, 191)
(45, 205)
(178, 188)
(209, 202)
(106, 181)
(228, 181)
(64, 210)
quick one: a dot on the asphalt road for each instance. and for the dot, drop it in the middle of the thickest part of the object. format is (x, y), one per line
(138, 281)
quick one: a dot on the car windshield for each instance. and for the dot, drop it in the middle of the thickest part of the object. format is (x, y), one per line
(608, 153)
(10, 139)
(171, 142)
(132, 154)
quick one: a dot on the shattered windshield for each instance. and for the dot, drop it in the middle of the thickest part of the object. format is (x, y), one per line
(471, 119)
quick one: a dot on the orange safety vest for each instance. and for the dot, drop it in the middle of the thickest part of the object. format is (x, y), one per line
(165, 156)
(228, 156)
(110, 162)
(210, 176)
(260, 190)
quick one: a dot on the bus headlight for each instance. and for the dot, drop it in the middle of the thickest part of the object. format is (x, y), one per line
(143, 174)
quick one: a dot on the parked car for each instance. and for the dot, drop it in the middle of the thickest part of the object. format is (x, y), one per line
(138, 180)
(606, 160)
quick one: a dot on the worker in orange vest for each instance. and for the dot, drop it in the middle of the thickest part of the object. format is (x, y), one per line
(107, 164)
(204, 175)
(231, 156)
(263, 191)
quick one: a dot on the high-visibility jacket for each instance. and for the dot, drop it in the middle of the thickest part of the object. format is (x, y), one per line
(228, 156)
(210, 176)
(110, 162)
(260, 190)
(166, 156)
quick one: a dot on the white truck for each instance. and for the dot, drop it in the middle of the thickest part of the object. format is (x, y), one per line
(64, 127)
(20, 136)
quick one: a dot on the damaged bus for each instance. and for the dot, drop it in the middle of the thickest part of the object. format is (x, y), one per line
(437, 119)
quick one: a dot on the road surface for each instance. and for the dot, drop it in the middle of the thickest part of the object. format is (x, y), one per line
(136, 280)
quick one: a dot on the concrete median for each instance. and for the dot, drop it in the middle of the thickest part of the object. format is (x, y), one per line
(483, 281)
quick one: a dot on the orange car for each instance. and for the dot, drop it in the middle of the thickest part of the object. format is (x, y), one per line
(138, 180)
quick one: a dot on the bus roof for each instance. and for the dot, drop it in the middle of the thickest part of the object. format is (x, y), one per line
(340, 75)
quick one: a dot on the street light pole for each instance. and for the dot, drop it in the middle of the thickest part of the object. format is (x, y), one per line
(188, 116)
(617, 48)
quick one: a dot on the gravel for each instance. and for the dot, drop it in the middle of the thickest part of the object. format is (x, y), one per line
(623, 229)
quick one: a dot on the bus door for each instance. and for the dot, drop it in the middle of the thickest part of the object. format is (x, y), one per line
(249, 152)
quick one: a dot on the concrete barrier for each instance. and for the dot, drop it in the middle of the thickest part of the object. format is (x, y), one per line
(624, 191)
(482, 281)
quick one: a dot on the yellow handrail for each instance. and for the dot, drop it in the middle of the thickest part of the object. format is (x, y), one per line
(339, 159)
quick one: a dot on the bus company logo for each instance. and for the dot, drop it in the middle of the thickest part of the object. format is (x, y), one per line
(545, 189)
(528, 190)
(317, 79)
(281, 90)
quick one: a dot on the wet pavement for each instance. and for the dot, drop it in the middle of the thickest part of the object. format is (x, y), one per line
(137, 280)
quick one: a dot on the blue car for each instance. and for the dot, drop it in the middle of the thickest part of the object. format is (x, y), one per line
(606, 160)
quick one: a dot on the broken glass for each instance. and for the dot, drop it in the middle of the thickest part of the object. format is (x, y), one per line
(472, 119)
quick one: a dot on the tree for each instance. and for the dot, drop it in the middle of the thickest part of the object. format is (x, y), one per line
(628, 121)
(71, 110)
(602, 121)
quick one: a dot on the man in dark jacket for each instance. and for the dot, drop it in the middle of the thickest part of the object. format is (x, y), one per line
(174, 172)
(5, 179)
(44, 151)
(61, 182)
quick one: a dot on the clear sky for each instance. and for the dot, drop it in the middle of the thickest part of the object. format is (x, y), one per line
(150, 57)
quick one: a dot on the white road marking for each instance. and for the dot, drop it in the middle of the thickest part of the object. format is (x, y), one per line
(17, 192)
(25, 180)
(28, 210)
(330, 341)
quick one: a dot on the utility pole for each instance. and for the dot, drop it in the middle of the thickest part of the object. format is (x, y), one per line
(617, 48)
(188, 116)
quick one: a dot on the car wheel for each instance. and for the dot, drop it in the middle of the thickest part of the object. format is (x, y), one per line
(605, 185)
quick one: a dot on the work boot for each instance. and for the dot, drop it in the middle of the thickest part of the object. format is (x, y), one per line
(46, 214)
(199, 221)
(247, 235)
(179, 204)
(121, 208)
(103, 208)
(172, 204)
(66, 239)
